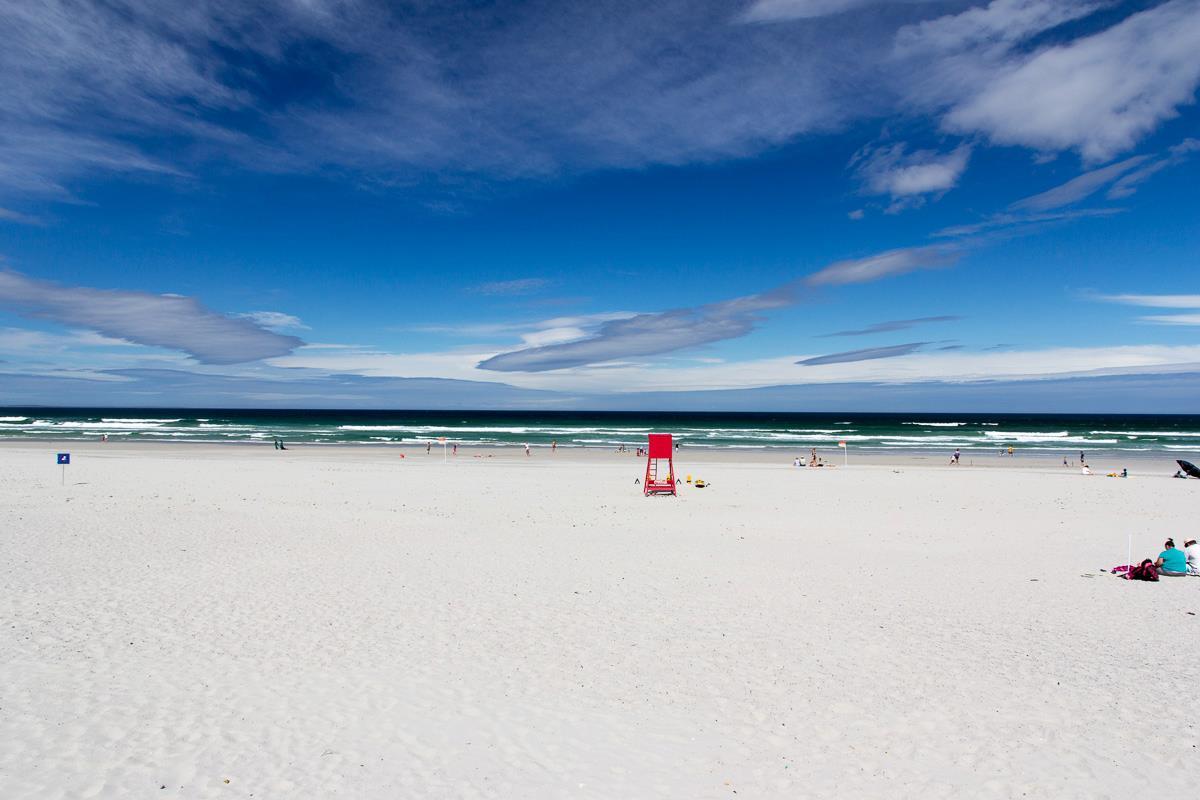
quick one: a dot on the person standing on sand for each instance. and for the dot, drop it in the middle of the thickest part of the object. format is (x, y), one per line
(553, 445)
(428, 447)
(1010, 451)
(1081, 458)
(527, 448)
(455, 449)
(957, 455)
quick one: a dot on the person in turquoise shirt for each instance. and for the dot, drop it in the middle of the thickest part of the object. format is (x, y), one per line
(1171, 561)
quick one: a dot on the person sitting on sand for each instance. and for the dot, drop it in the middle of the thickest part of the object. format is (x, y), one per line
(1191, 551)
(1171, 561)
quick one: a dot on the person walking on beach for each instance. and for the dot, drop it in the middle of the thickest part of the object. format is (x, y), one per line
(553, 445)
(1082, 460)
(957, 455)
(455, 449)
(428, 447)
(527, 448)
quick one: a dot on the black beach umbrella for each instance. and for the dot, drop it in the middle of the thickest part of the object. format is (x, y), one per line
(1189, 468)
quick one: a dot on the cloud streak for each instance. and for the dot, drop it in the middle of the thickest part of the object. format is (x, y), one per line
(664, 332)
(517, 286)
(156, 320)
(865, 354)
(1078, 188)
(648, 334)
(891, 325)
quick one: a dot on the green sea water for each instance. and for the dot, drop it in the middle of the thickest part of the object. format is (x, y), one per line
(801, 431)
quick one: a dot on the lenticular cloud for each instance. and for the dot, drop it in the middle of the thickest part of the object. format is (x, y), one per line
(157, 320)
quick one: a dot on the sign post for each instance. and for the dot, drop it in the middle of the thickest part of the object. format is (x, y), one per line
(845, 453)
(63, 460)
(442, 439)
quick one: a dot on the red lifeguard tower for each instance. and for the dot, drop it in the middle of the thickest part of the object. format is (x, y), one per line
(660, 478)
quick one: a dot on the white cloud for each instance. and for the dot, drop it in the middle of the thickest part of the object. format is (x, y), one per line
(1154, 300)
(382, 92)
(885, 265)
(157, 320)
(647, 334)
(1176, 155)
(275, 320)
(1172, 319)
(1175, 301)
(777, 10)
(1098, 94)
(891, 170)
(690, 375)
(677, 329)
(1078, 188)
(512, 287)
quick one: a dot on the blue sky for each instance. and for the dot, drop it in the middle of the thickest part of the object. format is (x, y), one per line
(809, 204)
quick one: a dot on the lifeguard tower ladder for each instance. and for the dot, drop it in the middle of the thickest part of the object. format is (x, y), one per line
(660, 477)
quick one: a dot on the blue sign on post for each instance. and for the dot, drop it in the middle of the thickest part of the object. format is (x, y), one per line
(63, 460)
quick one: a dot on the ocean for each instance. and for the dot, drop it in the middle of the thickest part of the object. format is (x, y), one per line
(1066, 434)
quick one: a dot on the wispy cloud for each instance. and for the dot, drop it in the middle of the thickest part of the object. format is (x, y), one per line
(782, 10)
(1176, 155)
(9, 215)
(157, 320)
(648, 334)
(1098, 94)
(1172, 319)
(909, 177)
(517, 286)
(1176, 301)
(886, 264)
(668, 331)
(1017, 222)
(1154, 300)
(275, 320)
(1078, 188)
(891, 325)
(380, 90)
(866, 354)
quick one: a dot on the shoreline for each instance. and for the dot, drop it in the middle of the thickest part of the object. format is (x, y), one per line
(1146, 463)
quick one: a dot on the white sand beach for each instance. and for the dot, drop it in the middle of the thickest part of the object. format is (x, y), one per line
(233, 622)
